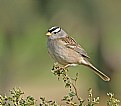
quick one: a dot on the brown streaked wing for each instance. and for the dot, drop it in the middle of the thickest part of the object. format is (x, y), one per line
(72, 44)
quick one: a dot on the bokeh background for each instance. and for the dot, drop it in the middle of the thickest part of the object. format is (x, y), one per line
(24, 60)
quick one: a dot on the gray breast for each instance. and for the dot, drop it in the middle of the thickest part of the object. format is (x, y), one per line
(61, 53)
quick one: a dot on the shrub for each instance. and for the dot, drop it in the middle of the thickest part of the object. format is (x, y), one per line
(16, 95)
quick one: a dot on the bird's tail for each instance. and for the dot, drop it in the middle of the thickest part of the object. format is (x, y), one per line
(98, 72)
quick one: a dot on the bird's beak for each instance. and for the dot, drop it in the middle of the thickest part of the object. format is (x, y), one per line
(48, 34)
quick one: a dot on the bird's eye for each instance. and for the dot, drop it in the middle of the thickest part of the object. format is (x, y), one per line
(54, 32)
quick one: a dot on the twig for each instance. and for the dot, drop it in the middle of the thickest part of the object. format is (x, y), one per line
(76, 93)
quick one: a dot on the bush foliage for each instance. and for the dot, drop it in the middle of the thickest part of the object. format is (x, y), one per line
(16, 95)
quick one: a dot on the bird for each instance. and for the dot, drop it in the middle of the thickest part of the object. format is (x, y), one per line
(67, 52)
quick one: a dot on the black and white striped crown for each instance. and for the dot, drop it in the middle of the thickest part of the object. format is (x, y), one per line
(54, 29)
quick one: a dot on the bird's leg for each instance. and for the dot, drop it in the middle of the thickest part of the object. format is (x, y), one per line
(65, 67)
(69, 65)
(56, 67)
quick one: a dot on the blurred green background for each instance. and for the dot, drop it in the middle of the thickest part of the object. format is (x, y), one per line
(24, 60)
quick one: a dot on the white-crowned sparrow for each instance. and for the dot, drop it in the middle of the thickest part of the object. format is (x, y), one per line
(67, 52)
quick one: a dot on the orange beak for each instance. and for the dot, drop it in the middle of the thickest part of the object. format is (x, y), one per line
(48, 34)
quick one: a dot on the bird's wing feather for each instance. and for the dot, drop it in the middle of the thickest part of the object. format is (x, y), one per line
(72, 44)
